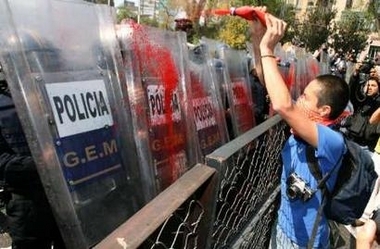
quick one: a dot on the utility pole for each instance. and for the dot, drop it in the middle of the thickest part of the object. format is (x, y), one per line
(139, 12)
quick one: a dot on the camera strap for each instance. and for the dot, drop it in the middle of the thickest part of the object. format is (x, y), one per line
(313, 164)
(310, 244)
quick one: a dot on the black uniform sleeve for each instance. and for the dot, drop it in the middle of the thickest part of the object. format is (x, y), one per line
(6, 154)
(354, 86)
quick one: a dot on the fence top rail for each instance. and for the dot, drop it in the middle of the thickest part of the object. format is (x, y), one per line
(141, 225)
(228, 149)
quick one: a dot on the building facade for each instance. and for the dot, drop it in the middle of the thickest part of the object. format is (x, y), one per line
(373, 48)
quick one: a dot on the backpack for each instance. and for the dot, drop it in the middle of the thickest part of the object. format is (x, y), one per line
(354, 185)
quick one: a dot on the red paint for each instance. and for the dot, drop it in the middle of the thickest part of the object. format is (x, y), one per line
(247, 12)
(221, 12)
(291, 76)
(156, 61)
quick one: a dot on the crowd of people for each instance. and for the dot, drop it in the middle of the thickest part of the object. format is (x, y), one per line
(311, 118)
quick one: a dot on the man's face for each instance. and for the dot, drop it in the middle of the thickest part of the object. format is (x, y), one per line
(371, 88)
(309, 97)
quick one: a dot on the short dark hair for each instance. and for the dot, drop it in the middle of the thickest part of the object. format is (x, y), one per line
(374, 78)
(334, 93)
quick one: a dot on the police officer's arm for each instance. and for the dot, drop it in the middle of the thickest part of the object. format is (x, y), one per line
(6, 154)
(354, 86)
(278, 92)
(15, 169)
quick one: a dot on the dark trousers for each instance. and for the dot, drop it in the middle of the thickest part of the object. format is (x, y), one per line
(32, 224)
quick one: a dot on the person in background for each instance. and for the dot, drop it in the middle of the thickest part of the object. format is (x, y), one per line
(339, 66)
(365, 99)
(310, 118)
(30, 220)
(259, 96)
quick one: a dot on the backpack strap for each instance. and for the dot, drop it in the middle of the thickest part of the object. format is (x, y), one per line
(315, 170)
(313, 164)
(310, 244)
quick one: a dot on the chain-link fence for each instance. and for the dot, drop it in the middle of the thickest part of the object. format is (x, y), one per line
(179, 217)
(231, 202)
(215, 205)
(249, 169)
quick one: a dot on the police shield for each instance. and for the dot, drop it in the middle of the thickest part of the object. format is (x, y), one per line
(207, 106)
(64, 86)
(237, 89)
(154, 69)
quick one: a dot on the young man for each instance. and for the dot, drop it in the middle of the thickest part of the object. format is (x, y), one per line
(323, 101)
(365, 100)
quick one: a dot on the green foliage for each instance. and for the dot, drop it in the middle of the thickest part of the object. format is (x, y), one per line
(351, 31)
(124, 13)
(374, 13)
(233, 32)
(313, 31)
(149, 21)
(287, 13)
(316, 28)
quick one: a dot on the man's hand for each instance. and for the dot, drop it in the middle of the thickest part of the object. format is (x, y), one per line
(257, 29)
(275, 31)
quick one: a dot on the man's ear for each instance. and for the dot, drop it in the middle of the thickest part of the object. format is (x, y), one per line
(325, 111)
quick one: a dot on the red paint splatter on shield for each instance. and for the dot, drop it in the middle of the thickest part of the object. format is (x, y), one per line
(156, 61)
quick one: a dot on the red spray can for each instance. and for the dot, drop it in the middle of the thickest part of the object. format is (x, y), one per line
(247, 12)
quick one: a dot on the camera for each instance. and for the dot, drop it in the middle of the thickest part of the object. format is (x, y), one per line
(297, 188)
(363, 78)
(366, 66)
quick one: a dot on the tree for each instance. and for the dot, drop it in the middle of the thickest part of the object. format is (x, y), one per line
(125, 13)
(374, 11)
(315, 28)
(168, 10)
(351, 32)
(233, 30)
(149, 21)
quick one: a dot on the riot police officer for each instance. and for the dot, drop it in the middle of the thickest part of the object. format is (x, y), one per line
(31, 223)
(30, 218)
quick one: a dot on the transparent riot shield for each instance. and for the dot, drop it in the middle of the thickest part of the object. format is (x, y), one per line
(154, 68)
(208, 109)
(64, 84)
(239, 91)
